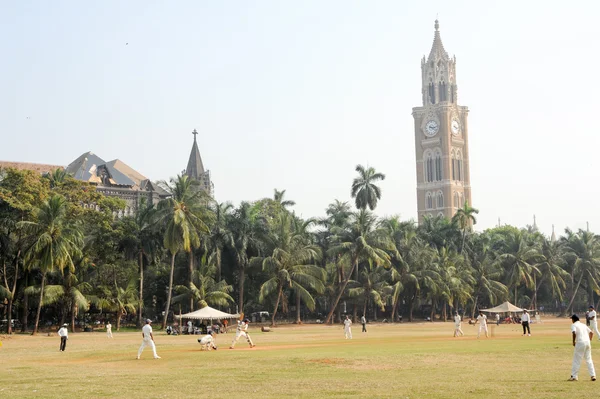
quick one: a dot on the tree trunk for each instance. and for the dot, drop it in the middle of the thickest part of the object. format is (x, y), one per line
(218, 262)
(410, 309)
(242, 276)
(365, 308)
(191, 282)
(119, 315)
(444, 314)
(516, 304)
(298, 321)
(570, 306)
(63, 315)
(276, 305)
(39, 309)
(73, 311)
(354, 314)
(464, 236)
(374, 312)
(394, 308)
(537, 287)
(25, 311)
(10, 305)
(328, 320)
(166, 316)
(141, 304)
(474, 306)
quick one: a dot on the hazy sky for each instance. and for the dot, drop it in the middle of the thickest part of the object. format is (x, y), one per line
(293, 94)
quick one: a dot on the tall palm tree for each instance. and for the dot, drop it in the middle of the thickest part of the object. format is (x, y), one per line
(278, 197)
(360, 242)
(364, 189)
(465, 218)
(184, 216)
(291, 264)
(487, 273)
(583, 251)
(56, 177)
(519, 259)
(373, 285)
(205, 290)
(220, 237)
(550, 266)
(56, 240)
(121, 300)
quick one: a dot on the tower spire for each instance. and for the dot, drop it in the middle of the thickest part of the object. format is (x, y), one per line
(195, 167)
(437, 49)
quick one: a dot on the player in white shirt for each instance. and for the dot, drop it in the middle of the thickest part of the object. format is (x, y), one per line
(347, 329)
(63, 333)
(109, 330)
(482, 320)
(147, 340)
(594, 322)
(497, 319)
(242, 331)
(208, 341)
(457, 323)
(525, 320)
(582, 336)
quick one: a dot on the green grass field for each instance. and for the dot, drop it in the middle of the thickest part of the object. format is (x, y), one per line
(416, 360)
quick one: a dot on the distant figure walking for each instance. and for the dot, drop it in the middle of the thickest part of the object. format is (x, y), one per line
(347, 329)
(525, 319)
(63, 333)
(147, 340)
(497, 319)
(582, 336)
(363, 321)
(482, 320)
(109, 330)
(594, 322)
(457, 325)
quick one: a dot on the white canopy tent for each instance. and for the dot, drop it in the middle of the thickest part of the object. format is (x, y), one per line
(207, 313)
(506, 307)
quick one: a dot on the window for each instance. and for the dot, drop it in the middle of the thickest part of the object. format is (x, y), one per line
(456, 200)
(431, 93)
(428, 201)
(453, 156)
(428, 164)
(440, 200)
(438, 165)
(459, 166)
(442, 89)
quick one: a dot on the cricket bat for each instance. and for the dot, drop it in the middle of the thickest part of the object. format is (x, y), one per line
(242, 316)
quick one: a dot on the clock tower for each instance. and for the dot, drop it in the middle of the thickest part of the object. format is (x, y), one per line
(441, 138)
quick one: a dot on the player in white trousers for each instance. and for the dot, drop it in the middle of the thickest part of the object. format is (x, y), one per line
(208, 341)
(594, 322)
(242, 331)
(482, 319)
(457, 325)
(147, 340)
(347, 329)
(109, 330)
(582, 336)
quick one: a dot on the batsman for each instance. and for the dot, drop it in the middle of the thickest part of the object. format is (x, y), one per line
(242, 331)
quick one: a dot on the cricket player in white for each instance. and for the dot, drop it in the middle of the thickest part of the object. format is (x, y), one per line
(148, 340)
(457, 323)
(482, 319)
(582, 336)
(109, 330)
(347, 329)
(242, 331)
(208, 342)
(594, 322)
(63, 333)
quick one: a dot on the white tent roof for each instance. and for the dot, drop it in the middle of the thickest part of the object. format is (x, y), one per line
(505, 307)
(208, 313)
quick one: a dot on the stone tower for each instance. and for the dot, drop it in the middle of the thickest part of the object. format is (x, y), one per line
(441, 137)
(195, 168)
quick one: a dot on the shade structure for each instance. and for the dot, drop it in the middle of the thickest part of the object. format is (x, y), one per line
(504, 308)
(207, 313)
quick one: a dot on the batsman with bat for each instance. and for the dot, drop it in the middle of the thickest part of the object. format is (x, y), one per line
(242, 331)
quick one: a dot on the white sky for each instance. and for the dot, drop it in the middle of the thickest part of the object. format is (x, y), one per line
(292, 95)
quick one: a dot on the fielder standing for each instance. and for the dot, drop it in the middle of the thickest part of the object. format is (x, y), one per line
(242, 331)
(525, 320)
(593, 322)
(457, 325)
(582, 336)
(363, 321)
(109, 330)
(482, 319)
(63, 333)
(147, 340)
(347, 329)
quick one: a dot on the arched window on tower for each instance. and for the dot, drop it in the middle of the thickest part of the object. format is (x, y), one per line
(453, 157)
(440, 200)
(442, 88)
(438, 165)
(456, 200)
(431, 93)
(428, 201)
(459, 166)
(428, 166)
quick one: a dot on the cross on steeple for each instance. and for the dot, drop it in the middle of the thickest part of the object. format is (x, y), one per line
(194, 133)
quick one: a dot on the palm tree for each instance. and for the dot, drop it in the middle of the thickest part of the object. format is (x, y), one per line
(583, 251)
(205, 290)
(291, 264)
(184, 216)
(465, 218)
(56, 240)
(220, 237)
(371, 286)
(520, 260)
(364, 190)
(278, 198)
(550, 266)
(487, 273)
(357, 243)
(119, 300)
(56, 177)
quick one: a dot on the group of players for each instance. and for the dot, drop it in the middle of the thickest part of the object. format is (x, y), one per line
(482, 320)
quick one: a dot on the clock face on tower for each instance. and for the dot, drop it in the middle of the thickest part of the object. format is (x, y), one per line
(431, 128)
(455, 127)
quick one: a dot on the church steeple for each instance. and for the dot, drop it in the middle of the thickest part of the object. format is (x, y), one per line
(438, 73)
(195, 168)
(437, 49)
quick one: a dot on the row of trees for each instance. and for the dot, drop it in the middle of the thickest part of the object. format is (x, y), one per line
(64, 255)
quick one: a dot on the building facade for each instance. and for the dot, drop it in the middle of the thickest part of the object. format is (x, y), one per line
(441, 137)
